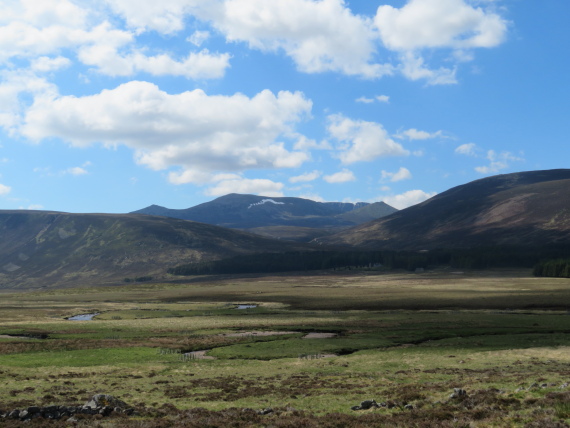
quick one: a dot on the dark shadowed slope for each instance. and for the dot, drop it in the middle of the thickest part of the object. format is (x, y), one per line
(50, 248)
(520, 209)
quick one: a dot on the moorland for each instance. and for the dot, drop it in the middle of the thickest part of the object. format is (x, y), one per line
(302, 351)
(432, 316)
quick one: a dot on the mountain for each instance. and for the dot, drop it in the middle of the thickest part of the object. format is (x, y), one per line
(286, 218)
(520, 209)
(41, 248)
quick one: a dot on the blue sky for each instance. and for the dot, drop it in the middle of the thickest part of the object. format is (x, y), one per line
(110, 106)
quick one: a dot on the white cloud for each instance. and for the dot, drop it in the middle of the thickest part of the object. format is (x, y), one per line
(497, 162)
(423, 24)
(414, 134)
(200, 65)
(379, 98)
(77, 170)
(35, 207)
(312, 197)
(45, 64)
(198, 37)
(262, 187)
(303, 178)
(4, 190)
(437, 24)
(340, 177)
(202, 134)
(468, 149)
(304, 143)
(13, 86)
(361, 140)
(318, 36)
(166, 17)
(407, 199)
(413, 67)
(401, 174)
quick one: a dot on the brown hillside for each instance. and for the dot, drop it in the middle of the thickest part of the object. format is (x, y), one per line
(521, 209)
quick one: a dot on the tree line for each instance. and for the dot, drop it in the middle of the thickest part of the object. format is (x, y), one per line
(559, 268)
(472, 258)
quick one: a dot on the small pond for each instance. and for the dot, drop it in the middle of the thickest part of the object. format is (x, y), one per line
(82, 317)
(245, 306)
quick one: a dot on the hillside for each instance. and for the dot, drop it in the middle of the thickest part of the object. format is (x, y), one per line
(520, 209)
(40, 248)
(284, 218)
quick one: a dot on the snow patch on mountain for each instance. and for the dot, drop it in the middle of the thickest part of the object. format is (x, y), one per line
(265, 201)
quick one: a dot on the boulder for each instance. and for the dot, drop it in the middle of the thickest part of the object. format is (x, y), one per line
(99, 401)
(458, 392)
(368, 404)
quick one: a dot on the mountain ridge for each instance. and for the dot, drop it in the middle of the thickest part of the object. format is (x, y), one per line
(520, 209)
(274, 215)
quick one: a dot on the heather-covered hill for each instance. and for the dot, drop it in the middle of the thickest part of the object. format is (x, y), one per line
(40, 248)
(522, 209)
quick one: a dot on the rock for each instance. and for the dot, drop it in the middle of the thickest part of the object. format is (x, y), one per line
(24, 414)
(368, 404)
(409, 407)
(102, 400)
(265, 411)
(14, 414)
(355, 408)
(458, 392)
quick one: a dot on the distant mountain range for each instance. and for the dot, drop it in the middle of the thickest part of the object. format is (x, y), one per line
(521, 209)
(283, 218)
(41, 248)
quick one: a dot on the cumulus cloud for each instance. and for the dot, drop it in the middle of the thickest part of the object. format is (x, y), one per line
(197, 65)
(46, 64)
(468, 149)
(497, 162)
(39, 30)
(423, 24)
(437, 24)
(257, 186)
(303, 178)
(77, 170)
(318, 36)
(361, 140)
(407, 199)
(401, 174)
(304, 143)
(414, 134)
(202, 134)
(4, 190)
(198, 37)
(379, 98)
(14, 85)
(340, 177)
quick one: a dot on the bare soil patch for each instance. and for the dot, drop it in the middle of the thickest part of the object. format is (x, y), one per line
(319, 335)
(258, 333)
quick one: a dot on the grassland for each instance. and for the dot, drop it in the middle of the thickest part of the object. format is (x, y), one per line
(405, 340)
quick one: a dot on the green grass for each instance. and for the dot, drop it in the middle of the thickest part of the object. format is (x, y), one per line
(404, 355)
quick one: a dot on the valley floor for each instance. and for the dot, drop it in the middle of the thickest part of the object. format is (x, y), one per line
(457, 349)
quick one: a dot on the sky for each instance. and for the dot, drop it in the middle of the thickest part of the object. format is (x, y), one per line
(110, 106)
